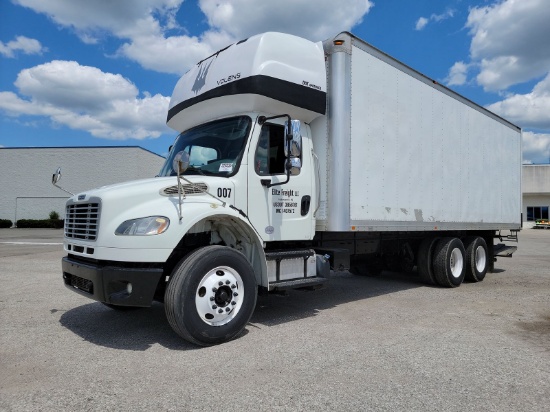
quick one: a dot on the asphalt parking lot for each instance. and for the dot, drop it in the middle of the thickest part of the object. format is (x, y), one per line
(381, 344)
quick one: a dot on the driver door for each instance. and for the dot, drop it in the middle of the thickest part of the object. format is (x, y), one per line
(281, 212)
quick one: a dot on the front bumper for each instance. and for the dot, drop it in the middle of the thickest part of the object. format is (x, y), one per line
(110, 284)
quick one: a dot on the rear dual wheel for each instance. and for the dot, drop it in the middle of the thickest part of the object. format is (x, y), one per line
(424, 261)
(477, 259)
(449, 263)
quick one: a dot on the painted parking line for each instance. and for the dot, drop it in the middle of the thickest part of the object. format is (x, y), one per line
(29, 243)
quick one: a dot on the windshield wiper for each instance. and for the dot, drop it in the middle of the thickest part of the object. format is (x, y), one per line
(195, 169)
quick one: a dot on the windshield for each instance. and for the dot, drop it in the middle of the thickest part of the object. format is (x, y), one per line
(214, 148)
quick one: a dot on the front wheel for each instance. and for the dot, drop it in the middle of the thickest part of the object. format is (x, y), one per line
(211, 295)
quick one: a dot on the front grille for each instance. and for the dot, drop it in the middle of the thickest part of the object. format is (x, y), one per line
(192, 189)
(82, 221)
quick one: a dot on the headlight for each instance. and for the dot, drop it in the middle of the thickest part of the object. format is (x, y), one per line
(145, 226)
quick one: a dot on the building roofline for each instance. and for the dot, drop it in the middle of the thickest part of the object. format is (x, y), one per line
(86, 147)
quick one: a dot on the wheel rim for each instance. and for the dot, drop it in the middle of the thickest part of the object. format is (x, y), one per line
(481, 259)
(219, 296)
(456, 263)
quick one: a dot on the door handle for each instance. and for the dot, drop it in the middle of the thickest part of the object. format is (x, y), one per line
(306, 202)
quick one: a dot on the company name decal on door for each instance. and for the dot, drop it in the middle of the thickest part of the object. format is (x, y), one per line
(285, 201)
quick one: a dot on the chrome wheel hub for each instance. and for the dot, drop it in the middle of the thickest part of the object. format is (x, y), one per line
(219, 296)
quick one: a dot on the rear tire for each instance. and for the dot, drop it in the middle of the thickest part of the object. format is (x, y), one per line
(477, 259)
(424, 260)
(211, 295)
(449, 262)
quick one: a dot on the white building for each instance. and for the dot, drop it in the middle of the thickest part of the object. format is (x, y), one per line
(536, 193)
(26, 191)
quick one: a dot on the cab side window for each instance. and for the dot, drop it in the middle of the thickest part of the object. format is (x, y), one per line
(270, 153)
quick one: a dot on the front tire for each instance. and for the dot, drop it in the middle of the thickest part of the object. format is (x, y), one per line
(449, 263)
(211, 295)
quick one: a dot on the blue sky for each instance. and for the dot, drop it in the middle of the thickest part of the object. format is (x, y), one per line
(100, 73)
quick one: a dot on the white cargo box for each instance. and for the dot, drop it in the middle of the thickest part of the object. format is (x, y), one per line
(398, 151)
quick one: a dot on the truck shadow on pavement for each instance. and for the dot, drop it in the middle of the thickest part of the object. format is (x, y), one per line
(342, 288)
(135, 330)
(140, 329)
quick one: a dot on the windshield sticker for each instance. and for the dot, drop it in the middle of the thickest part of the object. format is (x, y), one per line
(226, 167)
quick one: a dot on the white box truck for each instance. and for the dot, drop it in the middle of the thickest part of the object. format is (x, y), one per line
(295, 158)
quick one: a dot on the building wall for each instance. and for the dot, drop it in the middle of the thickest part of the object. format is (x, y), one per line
(26, 191)
(536, 188)
(536, 179)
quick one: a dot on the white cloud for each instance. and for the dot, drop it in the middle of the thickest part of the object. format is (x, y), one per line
(108, 105)
(510, 40)
(143, 24)
(530, 110)
(536, 147)
(69, 85)
(457, 74)
(23, 44)
(422, 22)
(85, 98)
(173, 54)
(509, 46)
(123, 18)
(315, 21)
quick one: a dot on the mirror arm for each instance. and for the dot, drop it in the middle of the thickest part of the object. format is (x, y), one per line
(55, 178)
(180, 190)
(263, 119)
(65, 190)
(267, 182)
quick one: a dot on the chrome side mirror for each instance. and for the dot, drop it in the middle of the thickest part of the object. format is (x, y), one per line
(180, 162)
(56, 176)
(295, 147)
(296, 139)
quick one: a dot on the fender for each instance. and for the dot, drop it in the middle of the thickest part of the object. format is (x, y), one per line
(216, 218)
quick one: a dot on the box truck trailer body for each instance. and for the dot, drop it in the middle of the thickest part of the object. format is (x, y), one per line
(398, 151)
(295, 158)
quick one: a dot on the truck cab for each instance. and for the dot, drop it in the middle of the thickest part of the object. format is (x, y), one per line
(249, 183)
